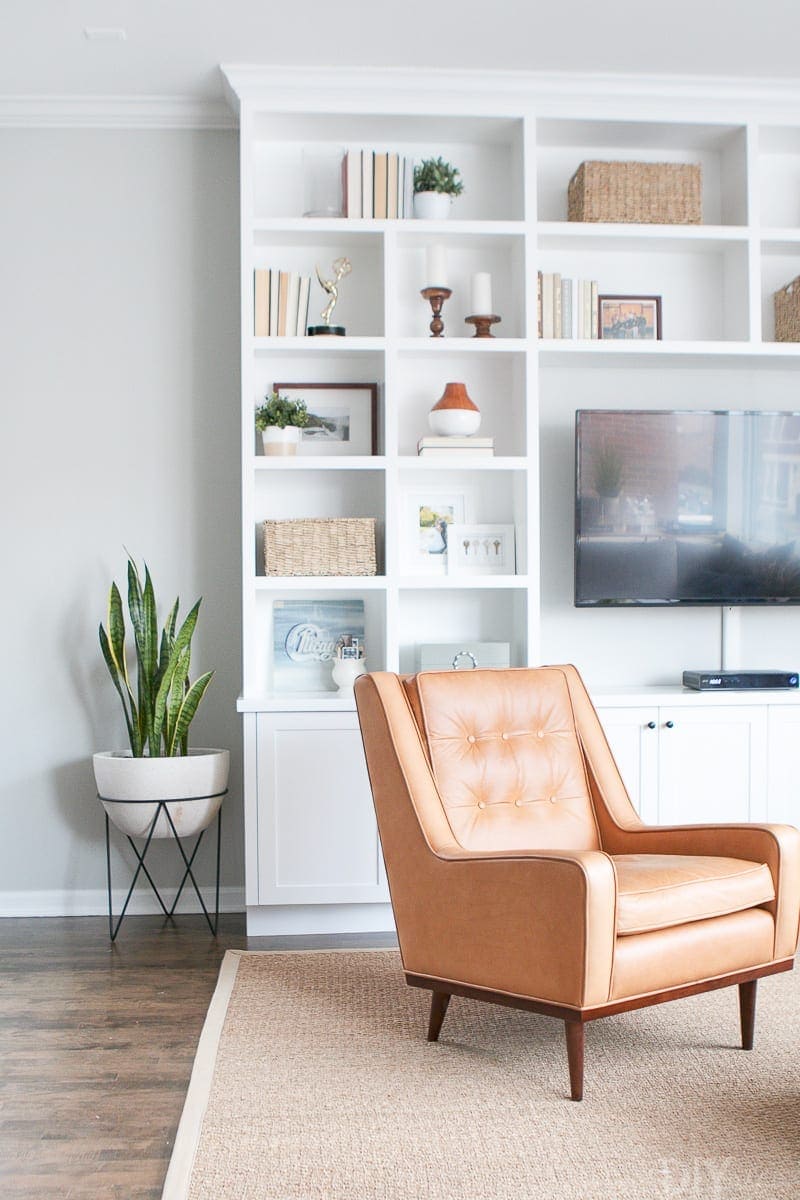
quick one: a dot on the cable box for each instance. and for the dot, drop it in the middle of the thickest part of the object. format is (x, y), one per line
(741, 681)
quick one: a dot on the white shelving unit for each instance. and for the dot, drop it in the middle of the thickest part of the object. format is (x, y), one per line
(517, 140)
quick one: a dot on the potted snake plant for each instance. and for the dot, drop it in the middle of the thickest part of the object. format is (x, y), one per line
(159, 705)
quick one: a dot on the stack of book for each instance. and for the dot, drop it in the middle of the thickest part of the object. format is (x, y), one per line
(441, 447)
(280, 303)
(567, 308)
(377, 184)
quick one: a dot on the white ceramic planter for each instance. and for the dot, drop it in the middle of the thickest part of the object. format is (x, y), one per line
(345, 672)
(281, 441)
(129, 788)
(432, 206)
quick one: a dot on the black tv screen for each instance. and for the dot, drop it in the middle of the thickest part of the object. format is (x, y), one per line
(677, 507)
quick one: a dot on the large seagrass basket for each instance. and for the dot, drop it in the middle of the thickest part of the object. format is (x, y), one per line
(787, 312)
(636, 193)
(320, 546)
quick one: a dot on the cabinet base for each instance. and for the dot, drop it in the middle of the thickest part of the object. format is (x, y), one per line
(269, 920)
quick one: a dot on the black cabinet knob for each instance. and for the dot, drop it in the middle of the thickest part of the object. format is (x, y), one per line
(651, 724)
(670, 724)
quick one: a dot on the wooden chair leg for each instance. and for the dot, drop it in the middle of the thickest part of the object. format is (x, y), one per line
(439, 1003)
(575, 1040)
(747, 1012)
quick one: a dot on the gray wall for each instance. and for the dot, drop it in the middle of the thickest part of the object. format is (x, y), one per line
(119, 373)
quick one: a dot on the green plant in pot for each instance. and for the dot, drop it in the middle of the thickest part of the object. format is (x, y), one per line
(436, 184)
(159, 703)
(280, 421)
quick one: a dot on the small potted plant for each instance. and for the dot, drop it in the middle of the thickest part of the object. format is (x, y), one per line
(159, 704)
(436, 184)
(280, 420)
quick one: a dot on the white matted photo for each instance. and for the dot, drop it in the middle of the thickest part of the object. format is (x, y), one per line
(342, 417)
(481, 550)
(428, 515)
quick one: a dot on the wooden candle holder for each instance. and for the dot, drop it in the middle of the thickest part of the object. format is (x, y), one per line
(482, 324)
(437, 297)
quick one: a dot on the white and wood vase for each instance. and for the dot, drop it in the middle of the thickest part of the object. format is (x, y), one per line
(454, 413)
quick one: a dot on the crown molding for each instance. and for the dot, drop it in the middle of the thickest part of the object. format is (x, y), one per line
(114, 112)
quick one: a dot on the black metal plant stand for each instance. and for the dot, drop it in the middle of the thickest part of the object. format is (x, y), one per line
(161, 805)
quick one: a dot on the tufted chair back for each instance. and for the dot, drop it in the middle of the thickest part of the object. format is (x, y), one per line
(505, 755)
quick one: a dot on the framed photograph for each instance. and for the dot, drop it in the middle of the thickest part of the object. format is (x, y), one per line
(481, 550)
(429, 513)
(636, 317)
(305, 634)
(342, 417)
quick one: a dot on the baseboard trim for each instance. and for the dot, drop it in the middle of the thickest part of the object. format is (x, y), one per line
(93, 902)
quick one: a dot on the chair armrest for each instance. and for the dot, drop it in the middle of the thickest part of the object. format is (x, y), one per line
(776, 845)
(540, 925)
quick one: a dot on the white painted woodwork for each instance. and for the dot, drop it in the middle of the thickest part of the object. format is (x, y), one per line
(783, 794)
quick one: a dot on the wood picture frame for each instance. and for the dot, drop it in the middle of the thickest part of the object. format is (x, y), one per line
(629, 317)
(343, 418)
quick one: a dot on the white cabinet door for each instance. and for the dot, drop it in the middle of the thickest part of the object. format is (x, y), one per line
(783, 791)
(632, 734)
(712, 764)
(317, 837)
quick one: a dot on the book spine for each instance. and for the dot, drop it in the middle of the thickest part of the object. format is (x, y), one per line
(465, 451)
(539, 304)
(261, 302)
(566, 308)
(392, 171)
(273, 303)
(302, 305)
(556, 305)
(367, 170)
(547, 304)
(353, 192)
(292, 300)
(283, 296)
(379, 185)
(587, 308)
(595, 309)
(408, 194)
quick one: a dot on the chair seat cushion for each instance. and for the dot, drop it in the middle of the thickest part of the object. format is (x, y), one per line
(655, 891)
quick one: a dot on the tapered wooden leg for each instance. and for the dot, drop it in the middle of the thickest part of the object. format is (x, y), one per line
(439, 1003)
(747, 1012)
(574, 1030)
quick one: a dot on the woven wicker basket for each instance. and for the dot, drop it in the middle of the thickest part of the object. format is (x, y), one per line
(636, 192)
(787, 312)
(320, 546)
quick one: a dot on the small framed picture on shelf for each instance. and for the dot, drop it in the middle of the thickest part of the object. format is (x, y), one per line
(429, 513)
(481, 550)
(637, 317)
(342, 417)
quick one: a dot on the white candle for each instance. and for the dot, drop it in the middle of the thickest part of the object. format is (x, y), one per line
(436, 266)
(482, 295)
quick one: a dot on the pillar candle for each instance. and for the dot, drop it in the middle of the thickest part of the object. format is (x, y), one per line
(436, 266)
(482, 294)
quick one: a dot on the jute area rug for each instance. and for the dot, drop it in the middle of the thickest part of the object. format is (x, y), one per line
(313, 1081)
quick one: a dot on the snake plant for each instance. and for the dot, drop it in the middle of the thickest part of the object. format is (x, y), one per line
(160, 708)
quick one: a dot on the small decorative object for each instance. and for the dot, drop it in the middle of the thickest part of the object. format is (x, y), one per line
(342, 418)
(481, 550)
(340, 267)
(436, 297)
(636, 317)
(322, 182)
(430, 512)
(436, 290)
(481, 296)
(348, 663)
(280, 420)
(305, 636)
(436, 184)
(637, 192)
(320, 546)
(787, 312)
(454, 413)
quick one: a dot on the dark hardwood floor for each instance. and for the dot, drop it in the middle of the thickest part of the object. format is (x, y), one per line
(96, 1047)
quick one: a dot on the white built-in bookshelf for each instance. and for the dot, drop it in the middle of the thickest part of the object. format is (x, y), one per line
(517, 141)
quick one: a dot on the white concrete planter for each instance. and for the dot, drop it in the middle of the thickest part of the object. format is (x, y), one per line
(130, 787)
(432, 206)
(281, 441)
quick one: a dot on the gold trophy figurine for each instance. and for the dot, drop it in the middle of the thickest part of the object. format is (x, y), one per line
(340, 267)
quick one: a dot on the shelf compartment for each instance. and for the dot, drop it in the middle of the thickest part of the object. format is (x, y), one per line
(467, 254)
(460, 616)
(308, 493)
(779, 175)
(360, 306)
(487, 151)
(780, 264)
(497, 384)
(259, 669)
(563, 144)
(703, 284)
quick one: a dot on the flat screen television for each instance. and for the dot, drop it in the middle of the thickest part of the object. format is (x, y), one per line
(676, 507)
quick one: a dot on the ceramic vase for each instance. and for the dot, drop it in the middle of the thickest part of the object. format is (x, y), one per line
(454, 413)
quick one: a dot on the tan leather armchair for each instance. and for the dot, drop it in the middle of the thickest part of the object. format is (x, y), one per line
(521, 874)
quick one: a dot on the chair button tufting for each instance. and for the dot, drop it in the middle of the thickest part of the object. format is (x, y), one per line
(472, 738)
(518, 803)
(552, 799)
(481, 804)
(540, 733)
(504, 736)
